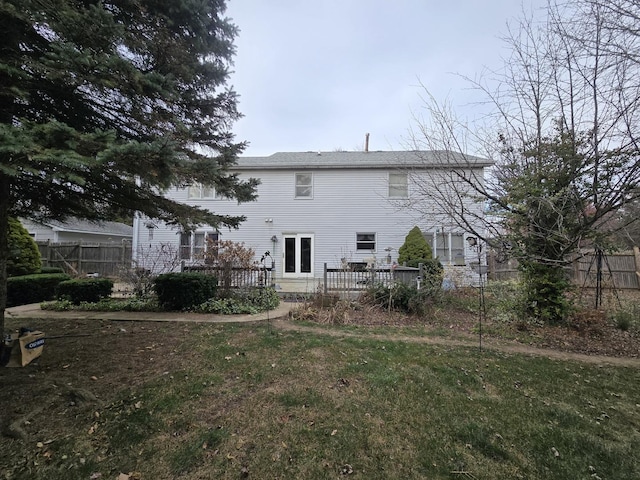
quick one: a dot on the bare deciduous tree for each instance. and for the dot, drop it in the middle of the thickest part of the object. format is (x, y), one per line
(562, 127)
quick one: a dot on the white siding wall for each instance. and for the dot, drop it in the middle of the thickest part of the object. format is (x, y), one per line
(43, 233)
(89, 237)
(345, 202)
(40, 233)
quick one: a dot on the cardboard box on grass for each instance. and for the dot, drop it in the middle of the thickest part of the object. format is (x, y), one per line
(26, 348)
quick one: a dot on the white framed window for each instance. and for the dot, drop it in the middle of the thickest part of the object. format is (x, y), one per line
(202, 192)
(193, 245)
(398, 185)
(366, 242)
(448, 247)
(304, 185)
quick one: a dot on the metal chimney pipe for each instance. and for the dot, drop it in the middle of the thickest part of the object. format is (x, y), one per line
(366, 142)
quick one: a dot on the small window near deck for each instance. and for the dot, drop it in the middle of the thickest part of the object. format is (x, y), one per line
(366, 241)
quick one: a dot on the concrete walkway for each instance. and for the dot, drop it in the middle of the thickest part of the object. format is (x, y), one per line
(33, 311)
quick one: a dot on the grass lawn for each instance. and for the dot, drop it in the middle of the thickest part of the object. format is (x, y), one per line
(225, 401)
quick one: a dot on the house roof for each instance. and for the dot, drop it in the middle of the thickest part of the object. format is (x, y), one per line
(373, 159)
(84, 226)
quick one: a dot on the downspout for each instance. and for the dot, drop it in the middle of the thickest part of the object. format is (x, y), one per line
(134, 239)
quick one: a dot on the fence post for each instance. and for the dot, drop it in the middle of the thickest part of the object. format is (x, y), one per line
(325, 276)
(636, 255)
(577, 277)
(491, 261)
(80, 257)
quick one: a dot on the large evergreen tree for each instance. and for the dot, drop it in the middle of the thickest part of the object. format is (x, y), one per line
(104, 105)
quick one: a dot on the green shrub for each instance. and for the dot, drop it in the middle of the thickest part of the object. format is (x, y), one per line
(245, 301)
(432, 274)
(105, 305)
(24, 256)
(182, 291)
(626, 318)
(51, 270)
(226, 306)
(415, 249)
(545, 289)
(33, 288)
(84, 290)
(263, 298)
(507, 301)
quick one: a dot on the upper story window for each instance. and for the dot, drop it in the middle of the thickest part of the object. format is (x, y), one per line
(304, 185)
(398, 185)
(366, 241)
(198, 192)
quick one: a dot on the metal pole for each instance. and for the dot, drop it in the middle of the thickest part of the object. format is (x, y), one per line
(598, 276)
(481, 294)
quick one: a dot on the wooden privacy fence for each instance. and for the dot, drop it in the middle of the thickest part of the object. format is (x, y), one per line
(101, 259)
(349, 279)
(618, 270)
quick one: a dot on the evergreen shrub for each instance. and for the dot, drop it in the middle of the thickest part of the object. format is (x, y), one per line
(84, 290)
(33, 288)
(24, 256)
(51, 270)
(415, 249)
(182, 291)
(545, 289)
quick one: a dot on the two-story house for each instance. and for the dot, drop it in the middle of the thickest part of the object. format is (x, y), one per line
(317, 208)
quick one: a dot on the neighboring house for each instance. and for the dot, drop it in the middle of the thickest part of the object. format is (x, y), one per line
(78, 231)
(321, 208)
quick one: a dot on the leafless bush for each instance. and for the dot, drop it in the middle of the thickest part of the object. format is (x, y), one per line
(149, 263)
(230, 258)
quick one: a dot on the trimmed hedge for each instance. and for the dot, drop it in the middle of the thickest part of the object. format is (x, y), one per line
(51, 270)
(33, 288)
(84, 290)
(182, 291)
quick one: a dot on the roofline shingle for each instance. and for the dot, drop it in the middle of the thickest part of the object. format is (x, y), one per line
(373, 159)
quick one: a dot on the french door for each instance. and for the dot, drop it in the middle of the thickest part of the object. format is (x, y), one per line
(298, 255)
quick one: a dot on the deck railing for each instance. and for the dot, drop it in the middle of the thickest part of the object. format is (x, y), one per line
(354, 278)
(235, 277)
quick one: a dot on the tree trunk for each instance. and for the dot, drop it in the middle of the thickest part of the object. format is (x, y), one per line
(5, 184)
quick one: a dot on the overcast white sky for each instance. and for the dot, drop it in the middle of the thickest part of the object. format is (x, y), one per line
(319, 75)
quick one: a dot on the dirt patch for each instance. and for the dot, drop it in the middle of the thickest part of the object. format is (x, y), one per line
(586, 337)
